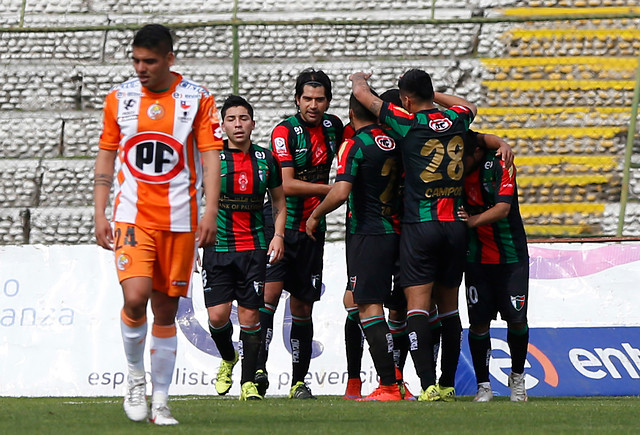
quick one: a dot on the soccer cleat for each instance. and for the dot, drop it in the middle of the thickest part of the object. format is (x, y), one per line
(404, 391)
(135, 399)
(354, 386)
(484, 393)
(384, 393)
(431, 394)
(402, 385)
(249, 391)
(518, 390)
(447, 394)
(261, 380)
(161, 415)
(223, 380)
(300, 391)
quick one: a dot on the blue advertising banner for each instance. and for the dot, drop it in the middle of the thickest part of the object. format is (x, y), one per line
(563, 362)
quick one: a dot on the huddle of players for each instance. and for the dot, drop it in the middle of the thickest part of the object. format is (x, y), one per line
(162, 137)
(420, 151)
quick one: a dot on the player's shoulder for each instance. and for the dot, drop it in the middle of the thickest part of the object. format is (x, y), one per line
(129, 86)
(333, 119)
(260, 152)
(459, 110)
(189, 88)
(287, 124)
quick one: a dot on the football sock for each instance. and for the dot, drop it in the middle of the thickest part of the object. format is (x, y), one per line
(398, 331)
(436, 331)
(134, 335)
(164, 343)
(250, 345)
(301, 342)
(222, 338)
(354, 343)
(480, 347)
(266, 320)
(381, 348)
(518, 340)
(420, 346)
(451, 337)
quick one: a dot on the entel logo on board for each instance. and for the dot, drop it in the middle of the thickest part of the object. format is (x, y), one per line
(597, 363)
(501, 367)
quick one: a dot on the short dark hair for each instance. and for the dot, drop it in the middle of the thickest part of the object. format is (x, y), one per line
(154, 37)
(392, 96)
(235, 101)
(314, 78)
(359, 111)
(417, 83)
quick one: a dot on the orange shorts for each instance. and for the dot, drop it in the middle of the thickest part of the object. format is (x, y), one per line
(167, 257)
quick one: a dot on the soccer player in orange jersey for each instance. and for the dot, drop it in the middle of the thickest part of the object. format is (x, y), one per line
(162, 137)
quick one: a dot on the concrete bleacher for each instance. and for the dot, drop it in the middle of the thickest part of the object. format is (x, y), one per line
(559, 92)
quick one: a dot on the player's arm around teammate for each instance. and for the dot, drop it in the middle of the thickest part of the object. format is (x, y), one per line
(432, 194)
(497, 263)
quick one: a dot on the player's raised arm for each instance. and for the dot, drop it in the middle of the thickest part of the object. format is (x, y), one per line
(446, 100)
(362, 92)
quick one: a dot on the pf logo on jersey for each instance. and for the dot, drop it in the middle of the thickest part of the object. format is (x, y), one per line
(154, 157)
(385, 143)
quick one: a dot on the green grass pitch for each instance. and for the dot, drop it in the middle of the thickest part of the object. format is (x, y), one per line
(327, 415)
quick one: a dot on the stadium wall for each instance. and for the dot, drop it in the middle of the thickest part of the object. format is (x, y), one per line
(60, 305)
(559, 88)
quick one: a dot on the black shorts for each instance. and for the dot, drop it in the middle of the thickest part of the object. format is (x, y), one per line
(301, 268)
(493, 288)
(371, 263)
(433, 251)
(228, 276)
(396, 300)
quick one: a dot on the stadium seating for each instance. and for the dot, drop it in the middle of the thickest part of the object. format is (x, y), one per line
(558, 91)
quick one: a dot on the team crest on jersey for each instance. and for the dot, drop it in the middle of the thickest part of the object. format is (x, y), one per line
(155, 111)
(518, 302)
(437, 122)
(385, 143)
(258, 287)
(243, 180)
(123, 262)
(262, 174)
(153, 157)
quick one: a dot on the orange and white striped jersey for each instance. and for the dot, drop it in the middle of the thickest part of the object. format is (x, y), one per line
(159, 137)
